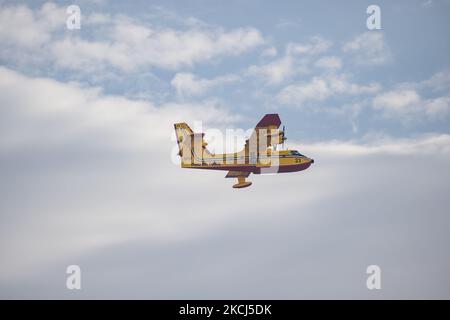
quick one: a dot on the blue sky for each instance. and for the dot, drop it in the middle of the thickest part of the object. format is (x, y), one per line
(86, 149)
(409, 50)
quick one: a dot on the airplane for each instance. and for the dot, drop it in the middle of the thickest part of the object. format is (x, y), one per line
(258, 156)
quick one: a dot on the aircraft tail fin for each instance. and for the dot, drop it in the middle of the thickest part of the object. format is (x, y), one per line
(182, 130)
(192, 146)
(183, 133)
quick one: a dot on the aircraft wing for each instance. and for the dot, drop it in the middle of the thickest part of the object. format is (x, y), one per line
(265, 126)
(269, 121)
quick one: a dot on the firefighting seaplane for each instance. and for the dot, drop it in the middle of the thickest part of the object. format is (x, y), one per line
(259, 154)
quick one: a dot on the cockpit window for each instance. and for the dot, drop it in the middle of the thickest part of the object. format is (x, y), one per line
(296, 153)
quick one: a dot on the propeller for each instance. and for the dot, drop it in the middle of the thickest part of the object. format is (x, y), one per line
(283, 136)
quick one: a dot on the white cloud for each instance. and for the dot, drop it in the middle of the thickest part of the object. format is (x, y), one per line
(369, 48)
(47, 119)
(188, 84)
(316, 89)
(320, 88)
(437, 107)
(440, 81)
(274, 72)
(269, 52)
(73, 109)
(330, 63)
(397, 100)
(438, 144)
(26, 28)
(122, 43)
(136, 46)
(407, 105)
(316, 45)
(294, 61)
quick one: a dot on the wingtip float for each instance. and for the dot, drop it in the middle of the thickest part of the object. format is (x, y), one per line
(259, 154)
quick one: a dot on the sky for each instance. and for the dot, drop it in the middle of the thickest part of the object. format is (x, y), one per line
(88, 157)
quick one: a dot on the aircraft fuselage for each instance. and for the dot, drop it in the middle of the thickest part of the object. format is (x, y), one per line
(278, 161)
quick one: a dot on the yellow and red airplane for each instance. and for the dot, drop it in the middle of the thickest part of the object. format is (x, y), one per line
(258, 156)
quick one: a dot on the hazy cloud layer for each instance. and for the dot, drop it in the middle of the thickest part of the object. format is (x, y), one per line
(98, 189)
